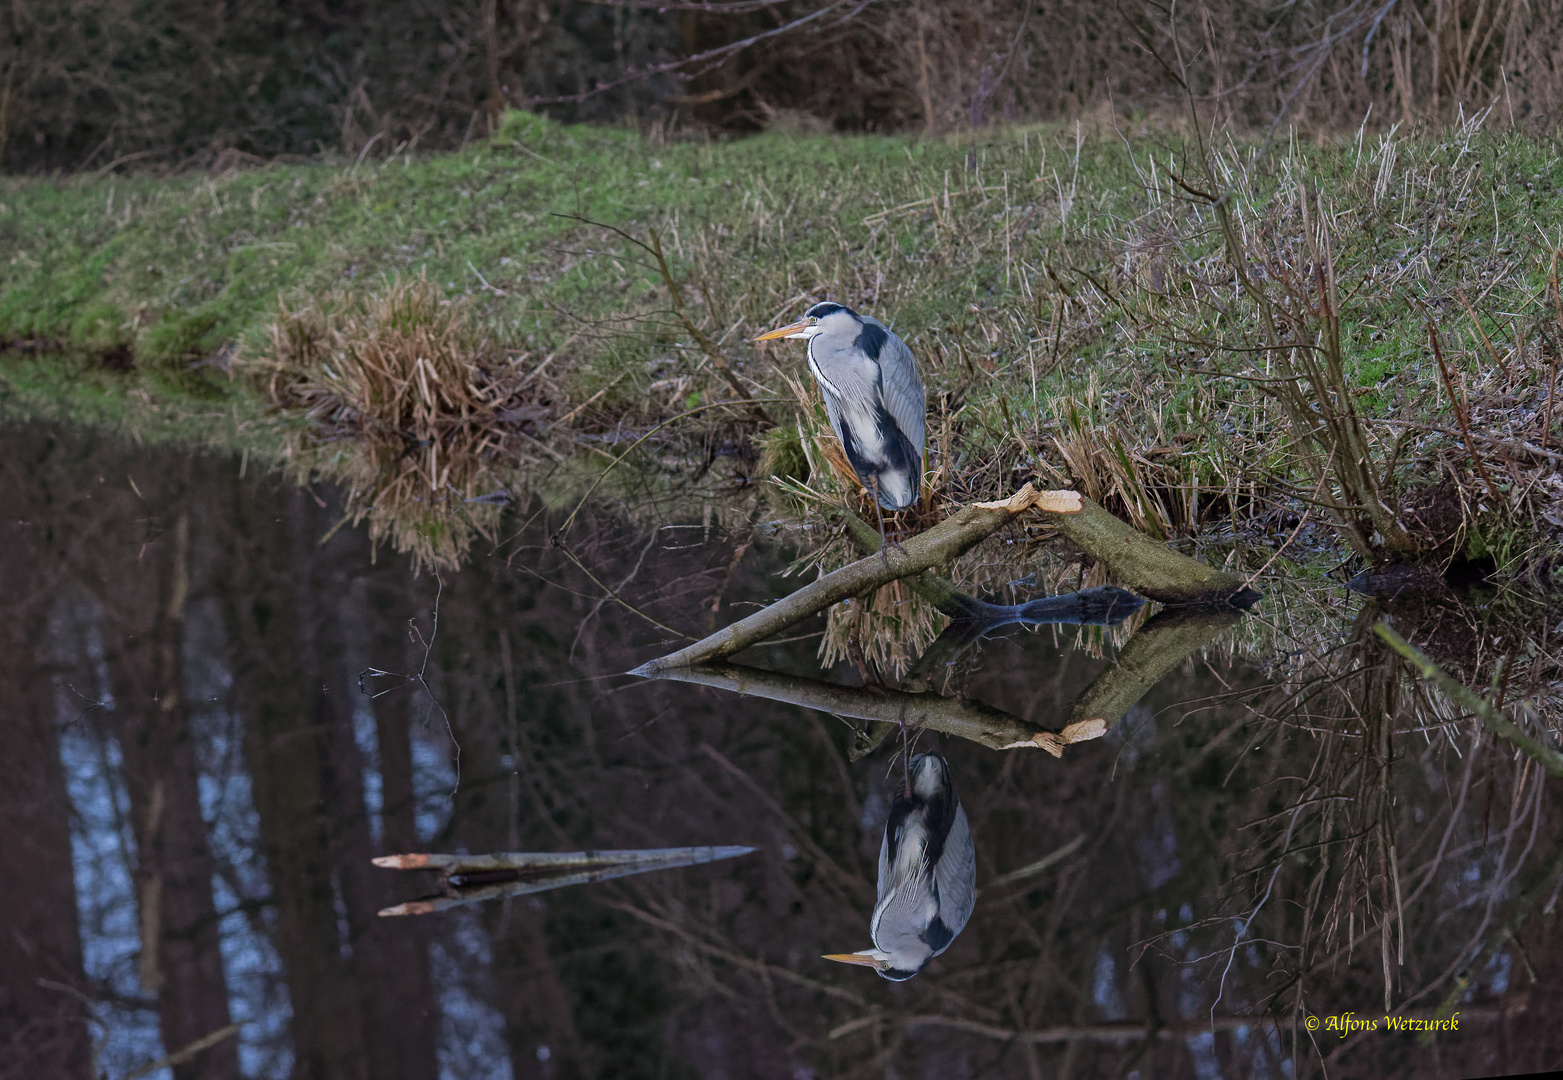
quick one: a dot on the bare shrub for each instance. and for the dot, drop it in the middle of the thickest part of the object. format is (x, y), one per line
(401, 399)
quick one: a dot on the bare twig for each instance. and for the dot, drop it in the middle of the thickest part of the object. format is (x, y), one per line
(1460, 412)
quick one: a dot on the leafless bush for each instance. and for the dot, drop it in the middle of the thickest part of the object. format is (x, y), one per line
(101, 80)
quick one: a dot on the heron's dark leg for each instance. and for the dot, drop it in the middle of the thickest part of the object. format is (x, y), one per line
(885, 543)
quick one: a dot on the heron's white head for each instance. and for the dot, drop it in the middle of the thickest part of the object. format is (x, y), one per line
(819, 319)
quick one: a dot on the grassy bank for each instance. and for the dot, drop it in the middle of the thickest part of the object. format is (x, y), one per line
(1212, 343)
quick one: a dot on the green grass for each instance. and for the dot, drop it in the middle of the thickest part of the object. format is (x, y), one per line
(1033, 272)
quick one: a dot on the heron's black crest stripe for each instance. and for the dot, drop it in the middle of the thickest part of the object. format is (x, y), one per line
(871, 339)
(828, 307)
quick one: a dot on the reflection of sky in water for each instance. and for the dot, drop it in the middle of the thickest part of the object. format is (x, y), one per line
(101, 845)
(367, 737)
(252, 970)
(472, 1032)
(471, 1042)
(433, 772)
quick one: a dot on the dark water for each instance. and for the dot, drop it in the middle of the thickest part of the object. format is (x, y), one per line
(194, 786)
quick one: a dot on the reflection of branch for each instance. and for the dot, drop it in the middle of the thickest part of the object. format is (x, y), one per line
(1127, 1032)
(1163, 643)
(1102, 606)
(966, 720)
(466, 879)
(945, 541)
(179, 1057)
(759, 967)
(1546, 756)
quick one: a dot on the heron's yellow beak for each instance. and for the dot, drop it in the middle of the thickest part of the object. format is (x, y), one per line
(862, 959)
(786, 331)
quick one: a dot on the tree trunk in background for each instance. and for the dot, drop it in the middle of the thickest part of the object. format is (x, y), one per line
(402, 1016)
(363, 1005)
(280, 693)
(43, 1029)
(535, 1002)
(499, 714)
(390, 957)
(181, 957)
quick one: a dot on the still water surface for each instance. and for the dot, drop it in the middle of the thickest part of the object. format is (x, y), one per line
(197, 773)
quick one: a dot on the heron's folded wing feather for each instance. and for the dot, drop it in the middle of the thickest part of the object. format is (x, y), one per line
(884, 866)
(956, 874)
(903, 390)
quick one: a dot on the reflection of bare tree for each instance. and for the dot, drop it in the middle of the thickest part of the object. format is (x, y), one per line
(1393, 858)
(180, 961)
(43, 1028)
(1166, 898)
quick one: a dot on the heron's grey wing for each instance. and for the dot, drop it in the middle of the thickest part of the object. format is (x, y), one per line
(903, 388)
(956, 875)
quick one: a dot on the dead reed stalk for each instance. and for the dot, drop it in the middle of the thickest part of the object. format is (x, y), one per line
(399, 398)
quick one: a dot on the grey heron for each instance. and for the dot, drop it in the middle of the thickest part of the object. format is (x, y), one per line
(927, 875)
(873, 395)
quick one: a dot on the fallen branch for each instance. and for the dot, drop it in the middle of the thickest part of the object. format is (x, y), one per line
(993, 728)
(1150, 568)
(940, 544)
(1547, 757)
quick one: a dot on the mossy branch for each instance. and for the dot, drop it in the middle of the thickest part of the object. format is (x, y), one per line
(940, 544)
(1149, 568)
(1146, 566)
(1547, 757)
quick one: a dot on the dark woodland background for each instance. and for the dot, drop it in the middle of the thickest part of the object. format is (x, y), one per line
(168, 83)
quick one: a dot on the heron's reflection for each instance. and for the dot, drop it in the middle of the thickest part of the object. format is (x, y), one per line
(927, 875)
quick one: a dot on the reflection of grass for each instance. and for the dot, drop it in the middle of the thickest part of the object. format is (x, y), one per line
(402, 401)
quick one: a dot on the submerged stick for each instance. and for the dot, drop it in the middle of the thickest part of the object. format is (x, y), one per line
(467, 879)
(973, 720)
(1546, 756)
(945, 541)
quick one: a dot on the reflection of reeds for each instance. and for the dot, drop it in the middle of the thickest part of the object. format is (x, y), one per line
(401, 400)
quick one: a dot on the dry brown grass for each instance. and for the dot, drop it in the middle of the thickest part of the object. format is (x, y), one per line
(399, 397)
